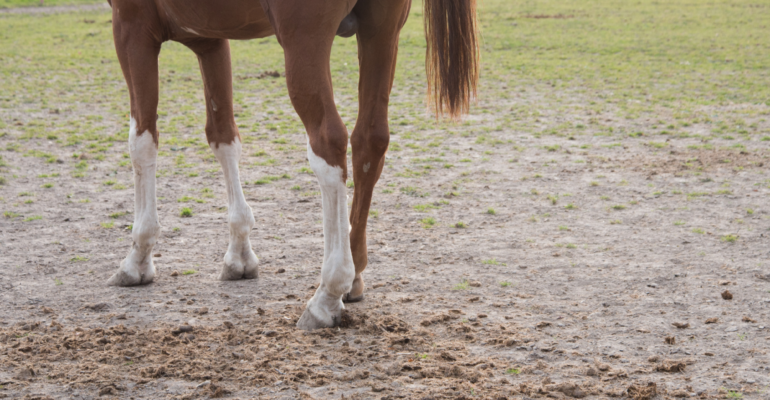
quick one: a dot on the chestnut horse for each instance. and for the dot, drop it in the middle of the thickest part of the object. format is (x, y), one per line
(305, 29)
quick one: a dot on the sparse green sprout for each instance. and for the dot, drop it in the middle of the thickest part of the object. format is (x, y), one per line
(729, 238)
(108, 225)
(176, 229)
(188, 272)
(553, 198)
(505, 283)
(109, 183)
(78, 259)
(186, 212)
(734, 394)
(48, 185)
(464, 285)
(351, 184)
(428, 222)
(616, 222)
(512, 371)
(570, 206)
(618, 207)
(678, 223)
(374, 213)
(33, 218)
(460, 225)
(571, 246)
(296, 187)
(492, 261)
(563, 228)
(594, 183)
(698, 231)
(750, 211)
(57, 282)
(491, 211)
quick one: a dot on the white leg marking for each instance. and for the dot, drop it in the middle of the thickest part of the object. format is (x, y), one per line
(240, 260)
(338, 271)
(137, 268)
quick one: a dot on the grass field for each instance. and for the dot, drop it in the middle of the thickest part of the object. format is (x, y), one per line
(43, 3)
(610, 181)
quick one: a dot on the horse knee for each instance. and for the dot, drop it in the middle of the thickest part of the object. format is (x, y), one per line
(375, 140)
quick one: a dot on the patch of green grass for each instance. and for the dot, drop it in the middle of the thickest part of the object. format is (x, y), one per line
(729, 238)
(10, 214)
(108, 225)
(616, 222)
(698, 231)
(460, 225)
(492, 261)
(570, 206)
(618, 207)
(491, 211)
(374, 213)
(424, 207)
(189, 272)
(428, 222)
(186, 212)
(33, 218)
(512, 371)
(678, 223)
(78, 259)
(118, 214)
(734, 394)
(57, 282)
(464, 285)
(505, 283)
(47, 185)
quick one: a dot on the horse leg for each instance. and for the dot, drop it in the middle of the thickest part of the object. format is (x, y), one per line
(138, 56)
(307, 41)
(378, 33)
(224, 139)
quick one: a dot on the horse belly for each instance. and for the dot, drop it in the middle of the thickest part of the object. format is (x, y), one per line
(223, 19)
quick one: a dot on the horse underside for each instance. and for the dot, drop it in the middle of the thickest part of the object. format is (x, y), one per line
(306, 31)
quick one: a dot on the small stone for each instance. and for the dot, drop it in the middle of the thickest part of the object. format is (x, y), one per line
(202, 384)
(174, 273)
(670, 340)
(680, 325)
(709, 354)
(156, 255)
(120, 316)
(727, 295)
(712, 320)
(280, 270)
(203, 310)
(474, 284)
(732, 329)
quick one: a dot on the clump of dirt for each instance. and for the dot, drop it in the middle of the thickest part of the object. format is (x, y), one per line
(386, 323)
(671, 366)
(643, 392)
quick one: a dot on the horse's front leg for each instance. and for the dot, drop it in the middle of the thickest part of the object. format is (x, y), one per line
(224, 139)
(307, 42)
(138, 56)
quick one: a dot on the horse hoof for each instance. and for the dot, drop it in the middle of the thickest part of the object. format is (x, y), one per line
(130, 276)
(124, 279)
(240, 269)
(308, 321)
(348, 299)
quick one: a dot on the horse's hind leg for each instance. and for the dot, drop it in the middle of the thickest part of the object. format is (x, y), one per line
(307, 41)
(377, 47)
(138, 55)
(224, 140)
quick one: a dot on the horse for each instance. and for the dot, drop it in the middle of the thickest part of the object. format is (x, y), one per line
(305, 30)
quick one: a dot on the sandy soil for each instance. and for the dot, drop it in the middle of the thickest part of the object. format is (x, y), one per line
(628, 270)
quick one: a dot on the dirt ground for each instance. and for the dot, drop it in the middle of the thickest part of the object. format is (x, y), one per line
(635, 270)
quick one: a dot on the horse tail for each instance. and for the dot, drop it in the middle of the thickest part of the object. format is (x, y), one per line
(452, 56)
